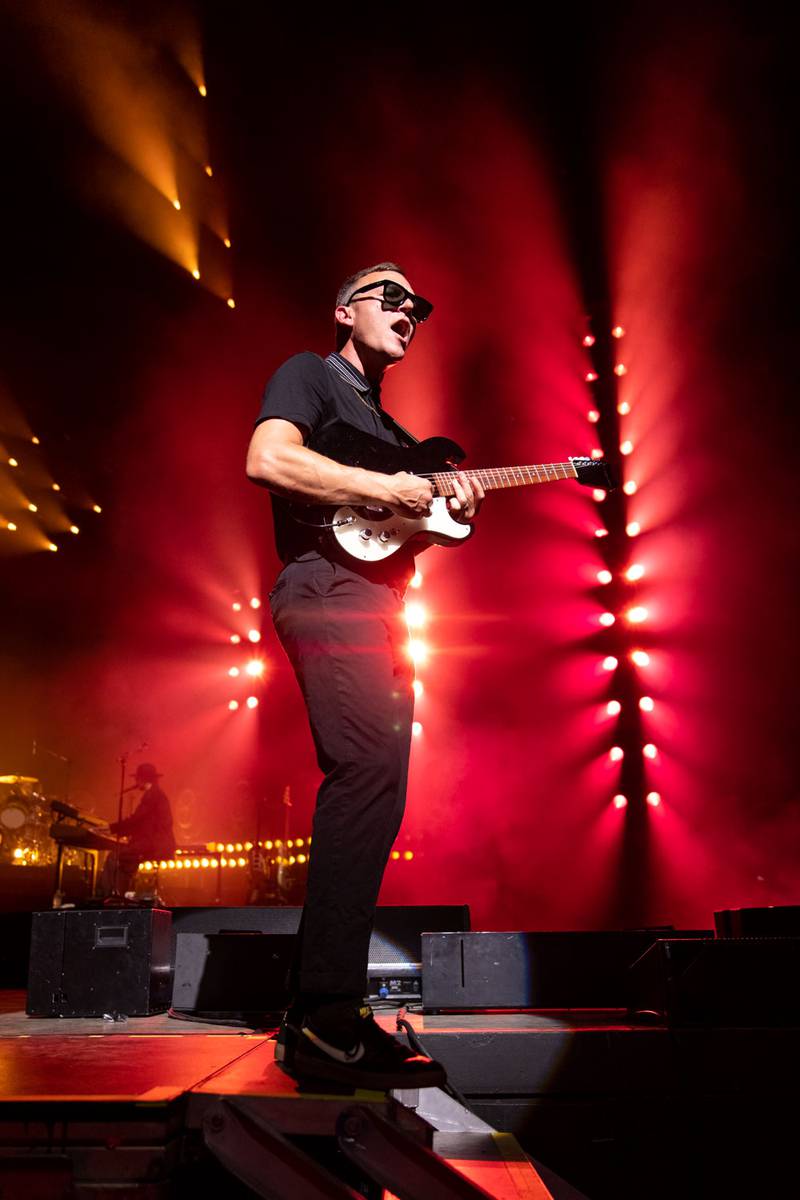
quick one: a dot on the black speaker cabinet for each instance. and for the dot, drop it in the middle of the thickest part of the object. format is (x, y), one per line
(395, 951)
(746, 982)
(531, 970)
(776, 920)
(235, 975)
(88, 962)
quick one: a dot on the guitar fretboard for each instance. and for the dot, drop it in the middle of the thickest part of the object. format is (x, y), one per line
(504, 477)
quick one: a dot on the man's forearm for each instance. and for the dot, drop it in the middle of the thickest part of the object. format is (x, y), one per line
(300, 473)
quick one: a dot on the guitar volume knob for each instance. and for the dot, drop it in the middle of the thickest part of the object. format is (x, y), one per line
(384, 536)
(365, 534)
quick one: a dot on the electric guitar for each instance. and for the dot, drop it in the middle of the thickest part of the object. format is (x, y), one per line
(373, 533)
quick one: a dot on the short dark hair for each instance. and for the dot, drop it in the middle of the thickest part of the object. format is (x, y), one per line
(349, 286)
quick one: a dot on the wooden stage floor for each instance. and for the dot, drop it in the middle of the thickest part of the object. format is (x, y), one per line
(139, 1081)
(618, 1110)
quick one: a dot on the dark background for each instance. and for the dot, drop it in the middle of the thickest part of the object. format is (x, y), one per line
(627, 164)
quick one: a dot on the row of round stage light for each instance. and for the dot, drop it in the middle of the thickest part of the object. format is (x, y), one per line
(28, 509)
(215, 862)
(630, 615)
(417, 648)
(252, 669)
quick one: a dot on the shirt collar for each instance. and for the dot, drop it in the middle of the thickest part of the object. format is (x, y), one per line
(346, 371)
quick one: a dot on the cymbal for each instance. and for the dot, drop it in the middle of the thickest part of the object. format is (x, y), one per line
(18, 779)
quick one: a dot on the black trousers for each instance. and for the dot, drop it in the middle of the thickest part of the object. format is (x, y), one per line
(346, 639)
(123, 875)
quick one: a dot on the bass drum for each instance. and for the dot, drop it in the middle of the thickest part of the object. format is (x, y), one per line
(24, 822)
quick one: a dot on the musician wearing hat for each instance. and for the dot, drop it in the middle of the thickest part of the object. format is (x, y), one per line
(148, 830)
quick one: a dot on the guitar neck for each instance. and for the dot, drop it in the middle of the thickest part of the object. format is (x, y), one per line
(504, 477)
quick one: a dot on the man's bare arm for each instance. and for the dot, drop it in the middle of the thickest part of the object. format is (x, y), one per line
(278, 460)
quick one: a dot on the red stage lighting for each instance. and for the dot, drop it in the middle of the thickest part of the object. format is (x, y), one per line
(620, 801)
(416, 615)
(637, 614)
(417, 651)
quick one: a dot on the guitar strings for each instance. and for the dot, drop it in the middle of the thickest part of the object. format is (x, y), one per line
(506, 476)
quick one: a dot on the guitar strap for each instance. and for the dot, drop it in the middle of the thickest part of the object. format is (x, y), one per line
(401, 429)
(403, 433)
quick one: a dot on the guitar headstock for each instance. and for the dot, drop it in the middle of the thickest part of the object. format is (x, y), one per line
(594, 473)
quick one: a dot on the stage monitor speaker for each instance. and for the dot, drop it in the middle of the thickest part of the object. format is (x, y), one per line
(15, 946)
(779, 920)
(239, 976)
(749, 982)
(531, 970)
(89, 962)
(395, 952)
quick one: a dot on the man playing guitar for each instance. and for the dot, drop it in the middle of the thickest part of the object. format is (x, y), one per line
(342, 624)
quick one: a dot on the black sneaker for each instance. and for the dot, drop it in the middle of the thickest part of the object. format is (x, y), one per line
(349, 1047)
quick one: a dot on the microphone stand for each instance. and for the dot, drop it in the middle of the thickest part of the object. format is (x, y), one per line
(123, 764)
(38, 749)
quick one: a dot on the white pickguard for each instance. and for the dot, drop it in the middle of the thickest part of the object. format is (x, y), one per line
(372, 534)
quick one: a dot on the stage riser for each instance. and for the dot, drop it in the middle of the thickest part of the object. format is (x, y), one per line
(559, 1062)
(654, 1147)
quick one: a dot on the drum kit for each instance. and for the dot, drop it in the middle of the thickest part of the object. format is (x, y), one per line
(25, 819)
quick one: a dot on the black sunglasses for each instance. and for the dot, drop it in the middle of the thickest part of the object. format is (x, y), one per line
(394, 294)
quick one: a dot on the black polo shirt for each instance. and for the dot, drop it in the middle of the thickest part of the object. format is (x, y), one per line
(312, 392)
